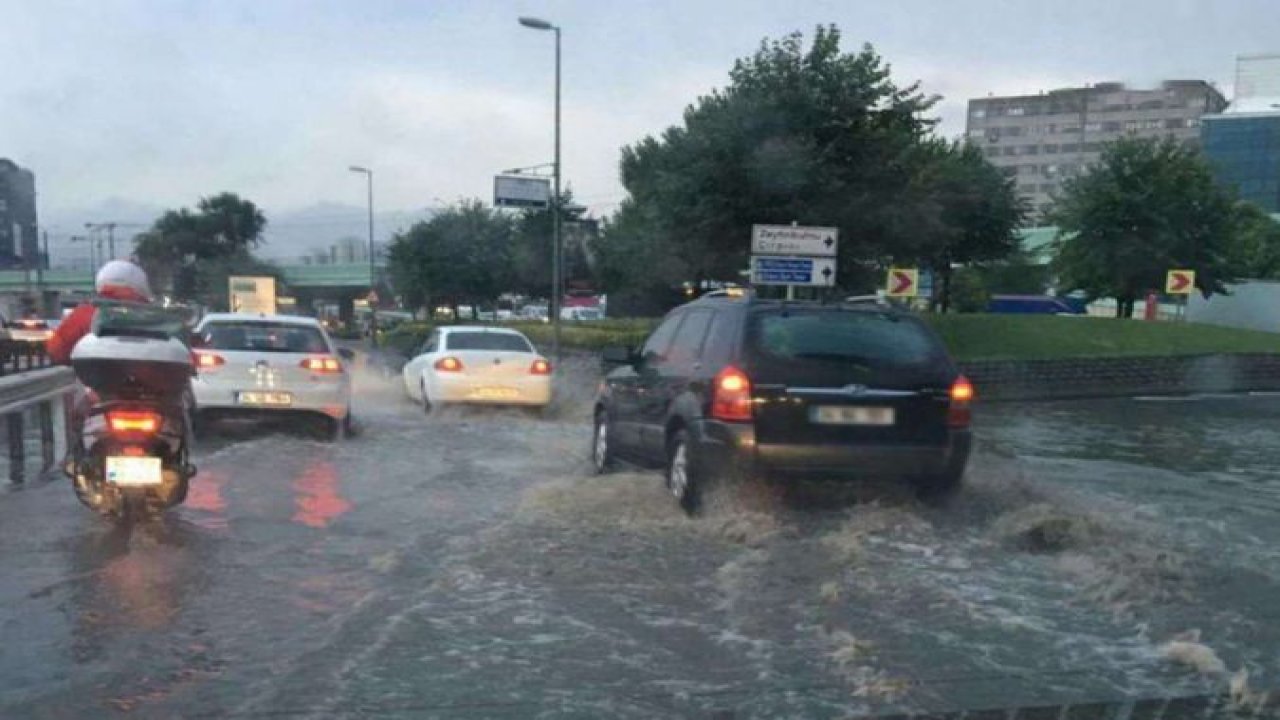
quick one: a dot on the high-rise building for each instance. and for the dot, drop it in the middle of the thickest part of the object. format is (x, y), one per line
(1243, 143)
(18, 222)
(1041, 140)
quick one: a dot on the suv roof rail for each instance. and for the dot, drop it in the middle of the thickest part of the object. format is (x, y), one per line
(876, 299)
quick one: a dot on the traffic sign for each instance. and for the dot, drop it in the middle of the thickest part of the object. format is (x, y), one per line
(793, 240)
(521, 191)
(1180, 282)
(903, 282)
(778, 270)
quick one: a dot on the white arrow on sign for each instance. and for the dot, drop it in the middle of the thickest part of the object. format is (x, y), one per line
(794, 240)
(778, 270)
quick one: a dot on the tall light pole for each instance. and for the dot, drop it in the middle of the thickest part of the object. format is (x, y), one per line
(110, 227)
(557, 293)
(373, 277)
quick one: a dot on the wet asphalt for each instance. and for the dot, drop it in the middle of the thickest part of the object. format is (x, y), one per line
(469, 565)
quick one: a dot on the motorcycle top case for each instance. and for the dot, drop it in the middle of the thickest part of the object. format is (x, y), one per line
(134, 349)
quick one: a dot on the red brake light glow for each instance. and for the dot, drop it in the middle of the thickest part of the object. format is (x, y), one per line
(449, 364)
(959, 415)
(208, 360)
(731, 395)
(326, 365)
(134, 421)
(540, 367)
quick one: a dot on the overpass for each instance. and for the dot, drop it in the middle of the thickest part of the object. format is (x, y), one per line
(316, 280)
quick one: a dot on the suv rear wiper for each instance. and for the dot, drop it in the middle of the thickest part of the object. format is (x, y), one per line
(857, 360)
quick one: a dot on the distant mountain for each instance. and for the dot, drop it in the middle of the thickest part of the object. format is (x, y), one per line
(290, 234)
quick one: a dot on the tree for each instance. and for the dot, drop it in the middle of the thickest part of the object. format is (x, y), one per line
(461, 255)
(968, 211)
(531, 248)
(1256, 250)
(1148, 206)
(812, 135)
(222, 226)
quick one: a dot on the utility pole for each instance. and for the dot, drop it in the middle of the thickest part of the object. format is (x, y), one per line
(110, 227)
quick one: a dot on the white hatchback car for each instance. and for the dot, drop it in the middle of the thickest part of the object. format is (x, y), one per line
(478, 365)
(250, 364)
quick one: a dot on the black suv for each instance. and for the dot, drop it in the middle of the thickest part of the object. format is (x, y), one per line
(776, 389)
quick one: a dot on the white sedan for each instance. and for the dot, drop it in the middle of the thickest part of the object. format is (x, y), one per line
(250, 364)
(475, 364)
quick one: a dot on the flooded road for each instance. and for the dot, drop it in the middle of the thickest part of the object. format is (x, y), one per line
(468, 565)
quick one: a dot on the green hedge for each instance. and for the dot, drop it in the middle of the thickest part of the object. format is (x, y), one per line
(407, 337)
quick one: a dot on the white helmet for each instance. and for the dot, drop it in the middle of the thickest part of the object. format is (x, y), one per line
(124, 275)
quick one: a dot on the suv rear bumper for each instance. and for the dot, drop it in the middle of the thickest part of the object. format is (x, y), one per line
(733, 447)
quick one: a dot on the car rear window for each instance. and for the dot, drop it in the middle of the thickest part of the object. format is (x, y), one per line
(506, 342)
(835, 336)
(264, 337)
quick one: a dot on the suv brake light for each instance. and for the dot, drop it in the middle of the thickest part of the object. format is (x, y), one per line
(134, 421)
(325, 365)
(959, 414)
(731, 395)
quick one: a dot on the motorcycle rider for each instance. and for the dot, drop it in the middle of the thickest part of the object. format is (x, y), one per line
(117, 280)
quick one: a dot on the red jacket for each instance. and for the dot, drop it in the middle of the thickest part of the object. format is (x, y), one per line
(80, 322)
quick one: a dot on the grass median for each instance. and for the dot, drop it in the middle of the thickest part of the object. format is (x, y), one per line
(969, 337)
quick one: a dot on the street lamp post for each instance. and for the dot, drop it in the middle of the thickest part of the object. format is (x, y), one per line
(557, 279)
(373, 277)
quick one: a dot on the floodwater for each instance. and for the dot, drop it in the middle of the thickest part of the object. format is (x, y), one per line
(469, 565)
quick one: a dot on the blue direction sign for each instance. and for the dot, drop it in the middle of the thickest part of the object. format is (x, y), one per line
(777, 270)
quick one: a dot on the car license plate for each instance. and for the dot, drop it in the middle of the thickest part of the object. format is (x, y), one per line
(852, 415)
(495, 393)
(133, 471)
(258, 397)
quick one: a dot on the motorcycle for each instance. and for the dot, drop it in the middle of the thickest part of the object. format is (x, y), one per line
(131, 455)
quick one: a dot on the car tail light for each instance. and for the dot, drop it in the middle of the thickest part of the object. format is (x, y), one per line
(959, 414)
(144, 422)
(731, 395)
(540, 367)
(449, 364)
(325, 364)
(209, 361)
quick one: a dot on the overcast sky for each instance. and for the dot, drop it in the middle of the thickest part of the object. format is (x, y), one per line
(160, 102)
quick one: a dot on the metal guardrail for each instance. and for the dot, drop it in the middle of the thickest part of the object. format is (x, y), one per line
(46, 395)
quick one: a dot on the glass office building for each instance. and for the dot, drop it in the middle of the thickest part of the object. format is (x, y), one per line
(1243, 145)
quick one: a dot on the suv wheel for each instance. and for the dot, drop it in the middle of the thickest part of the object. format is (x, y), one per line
(426, 399)
(602, 457)
(683, 477)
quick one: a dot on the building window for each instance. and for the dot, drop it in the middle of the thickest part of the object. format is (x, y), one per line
(1071, 148)
(1050, 149)
(1050, 170)
(992, 151)
(1017, 111)
(1111, 126)
(1193, 122)
(978, 113)
(1011, 131)
(977, 134)
(1092, 147)
(1027, 189)
(1069, 129)
(1093, 127)
(1031, 150)
(1047, 187)
(1130, 125)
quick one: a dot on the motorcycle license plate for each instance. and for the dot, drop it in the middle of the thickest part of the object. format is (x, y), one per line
(134, 471)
